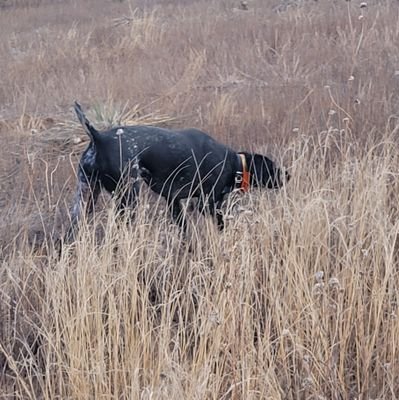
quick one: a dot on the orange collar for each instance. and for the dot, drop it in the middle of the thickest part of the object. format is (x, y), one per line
(244, 186)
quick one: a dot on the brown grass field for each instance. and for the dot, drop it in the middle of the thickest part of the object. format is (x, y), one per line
(298, 298)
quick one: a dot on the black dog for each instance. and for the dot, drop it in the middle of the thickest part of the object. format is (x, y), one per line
(174, 164)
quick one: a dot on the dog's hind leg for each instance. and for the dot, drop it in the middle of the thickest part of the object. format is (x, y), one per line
(85, 199)
(128, 189)
(127, 200)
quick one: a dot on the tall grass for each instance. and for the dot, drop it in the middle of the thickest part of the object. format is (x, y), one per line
(297, 298)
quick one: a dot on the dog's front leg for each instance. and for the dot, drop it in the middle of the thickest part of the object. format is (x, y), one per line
(212, 207)
(215, 209)
(85, 199)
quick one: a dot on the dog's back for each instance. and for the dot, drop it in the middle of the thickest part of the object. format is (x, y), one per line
(179, 163)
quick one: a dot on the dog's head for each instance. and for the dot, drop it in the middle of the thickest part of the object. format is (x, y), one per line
(264, 172)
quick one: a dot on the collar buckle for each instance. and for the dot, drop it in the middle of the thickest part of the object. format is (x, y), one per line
(238, 179)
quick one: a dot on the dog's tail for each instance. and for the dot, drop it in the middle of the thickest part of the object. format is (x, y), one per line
(88, 127)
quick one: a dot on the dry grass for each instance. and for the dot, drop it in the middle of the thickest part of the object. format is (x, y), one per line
(298, 297)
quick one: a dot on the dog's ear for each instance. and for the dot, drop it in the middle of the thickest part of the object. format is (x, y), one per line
(88, 127)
